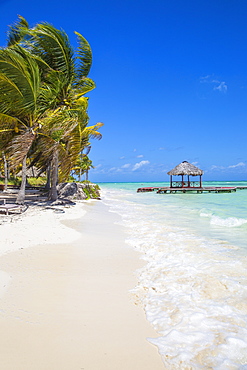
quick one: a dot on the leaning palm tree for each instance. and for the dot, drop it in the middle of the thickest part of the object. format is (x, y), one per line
(61, 139)
(64, 73)
(57, 109)
(20, 105)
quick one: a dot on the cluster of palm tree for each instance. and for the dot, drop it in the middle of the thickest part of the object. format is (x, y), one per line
(43, 108)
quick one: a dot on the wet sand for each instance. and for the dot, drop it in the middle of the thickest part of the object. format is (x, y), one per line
(68, 306)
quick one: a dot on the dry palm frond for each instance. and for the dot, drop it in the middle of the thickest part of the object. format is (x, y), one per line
(19, 147)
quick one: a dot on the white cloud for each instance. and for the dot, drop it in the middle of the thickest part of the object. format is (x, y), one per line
(127, 165)
(213, 167)
(217, 85)
(140, 164)
(223, 168)
(222, 87)
(240, 164)
(140, 156)
(122, 157)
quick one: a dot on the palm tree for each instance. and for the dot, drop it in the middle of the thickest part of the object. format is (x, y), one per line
(65, 75)
(83, 165)
(20, 106)
(60, 141)
(56, 112)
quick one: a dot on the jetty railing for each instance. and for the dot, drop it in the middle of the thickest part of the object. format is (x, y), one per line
(185, 184)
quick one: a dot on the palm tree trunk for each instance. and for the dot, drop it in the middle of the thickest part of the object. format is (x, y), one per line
(48, 178)
(21, 194)
(54, 177)
(5, 173)
(80, 171)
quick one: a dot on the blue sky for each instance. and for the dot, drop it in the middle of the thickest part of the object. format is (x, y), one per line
(171, 82)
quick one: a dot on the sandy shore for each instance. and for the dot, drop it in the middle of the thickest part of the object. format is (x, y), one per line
(65, 301)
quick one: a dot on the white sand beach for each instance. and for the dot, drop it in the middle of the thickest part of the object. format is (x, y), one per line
(65, 300)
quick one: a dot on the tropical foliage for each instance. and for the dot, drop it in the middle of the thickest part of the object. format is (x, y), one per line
(82, 166)
(43, 108)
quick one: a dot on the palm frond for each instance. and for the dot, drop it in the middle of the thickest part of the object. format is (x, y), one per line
(92, 131)
(10, 123)
(19, 82)
(19, 147)
(84, 55)
(17, 31)
(52, 45)
(84, 85)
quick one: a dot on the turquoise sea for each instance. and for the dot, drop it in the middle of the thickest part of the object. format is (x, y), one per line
(193, 286)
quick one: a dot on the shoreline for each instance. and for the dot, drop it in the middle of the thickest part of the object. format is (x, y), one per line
(68, 306)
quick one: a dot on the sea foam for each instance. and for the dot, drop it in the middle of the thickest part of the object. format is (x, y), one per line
(228, 222)
(192, 290)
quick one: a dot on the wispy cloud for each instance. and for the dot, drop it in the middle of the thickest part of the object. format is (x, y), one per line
(216, 84)
(139, 165)
(214, 167)
(127, 165)
(140, 156)
(240, 164)
(221, 86)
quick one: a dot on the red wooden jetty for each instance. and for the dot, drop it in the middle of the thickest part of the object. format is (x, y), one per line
(148, 189)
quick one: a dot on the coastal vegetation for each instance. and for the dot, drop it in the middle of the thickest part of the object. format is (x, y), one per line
(43, 107)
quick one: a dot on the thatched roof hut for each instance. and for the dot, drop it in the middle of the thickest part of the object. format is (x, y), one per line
(32, 172)
(183, 169)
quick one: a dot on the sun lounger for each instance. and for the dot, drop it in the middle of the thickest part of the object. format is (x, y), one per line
(10, 207)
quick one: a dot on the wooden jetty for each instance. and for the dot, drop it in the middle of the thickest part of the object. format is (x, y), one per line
(148, 189)
(197, 190)
(173, 190)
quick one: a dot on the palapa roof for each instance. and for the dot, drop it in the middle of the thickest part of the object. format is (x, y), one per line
(185, 168)
(32, 172)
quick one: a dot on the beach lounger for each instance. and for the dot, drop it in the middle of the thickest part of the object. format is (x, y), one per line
(10, 207)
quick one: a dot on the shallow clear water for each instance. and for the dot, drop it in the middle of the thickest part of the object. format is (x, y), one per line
(194, 284)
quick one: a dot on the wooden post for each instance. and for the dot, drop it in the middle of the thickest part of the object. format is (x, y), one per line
(171, 181)
(188, 181)
(200, 181)
(182, 181)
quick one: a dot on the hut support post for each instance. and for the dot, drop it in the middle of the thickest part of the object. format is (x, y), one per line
(188, 181)
(171, 181)
(182, 181)
(200, 181)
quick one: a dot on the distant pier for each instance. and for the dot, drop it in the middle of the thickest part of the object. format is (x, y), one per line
(173, 190)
